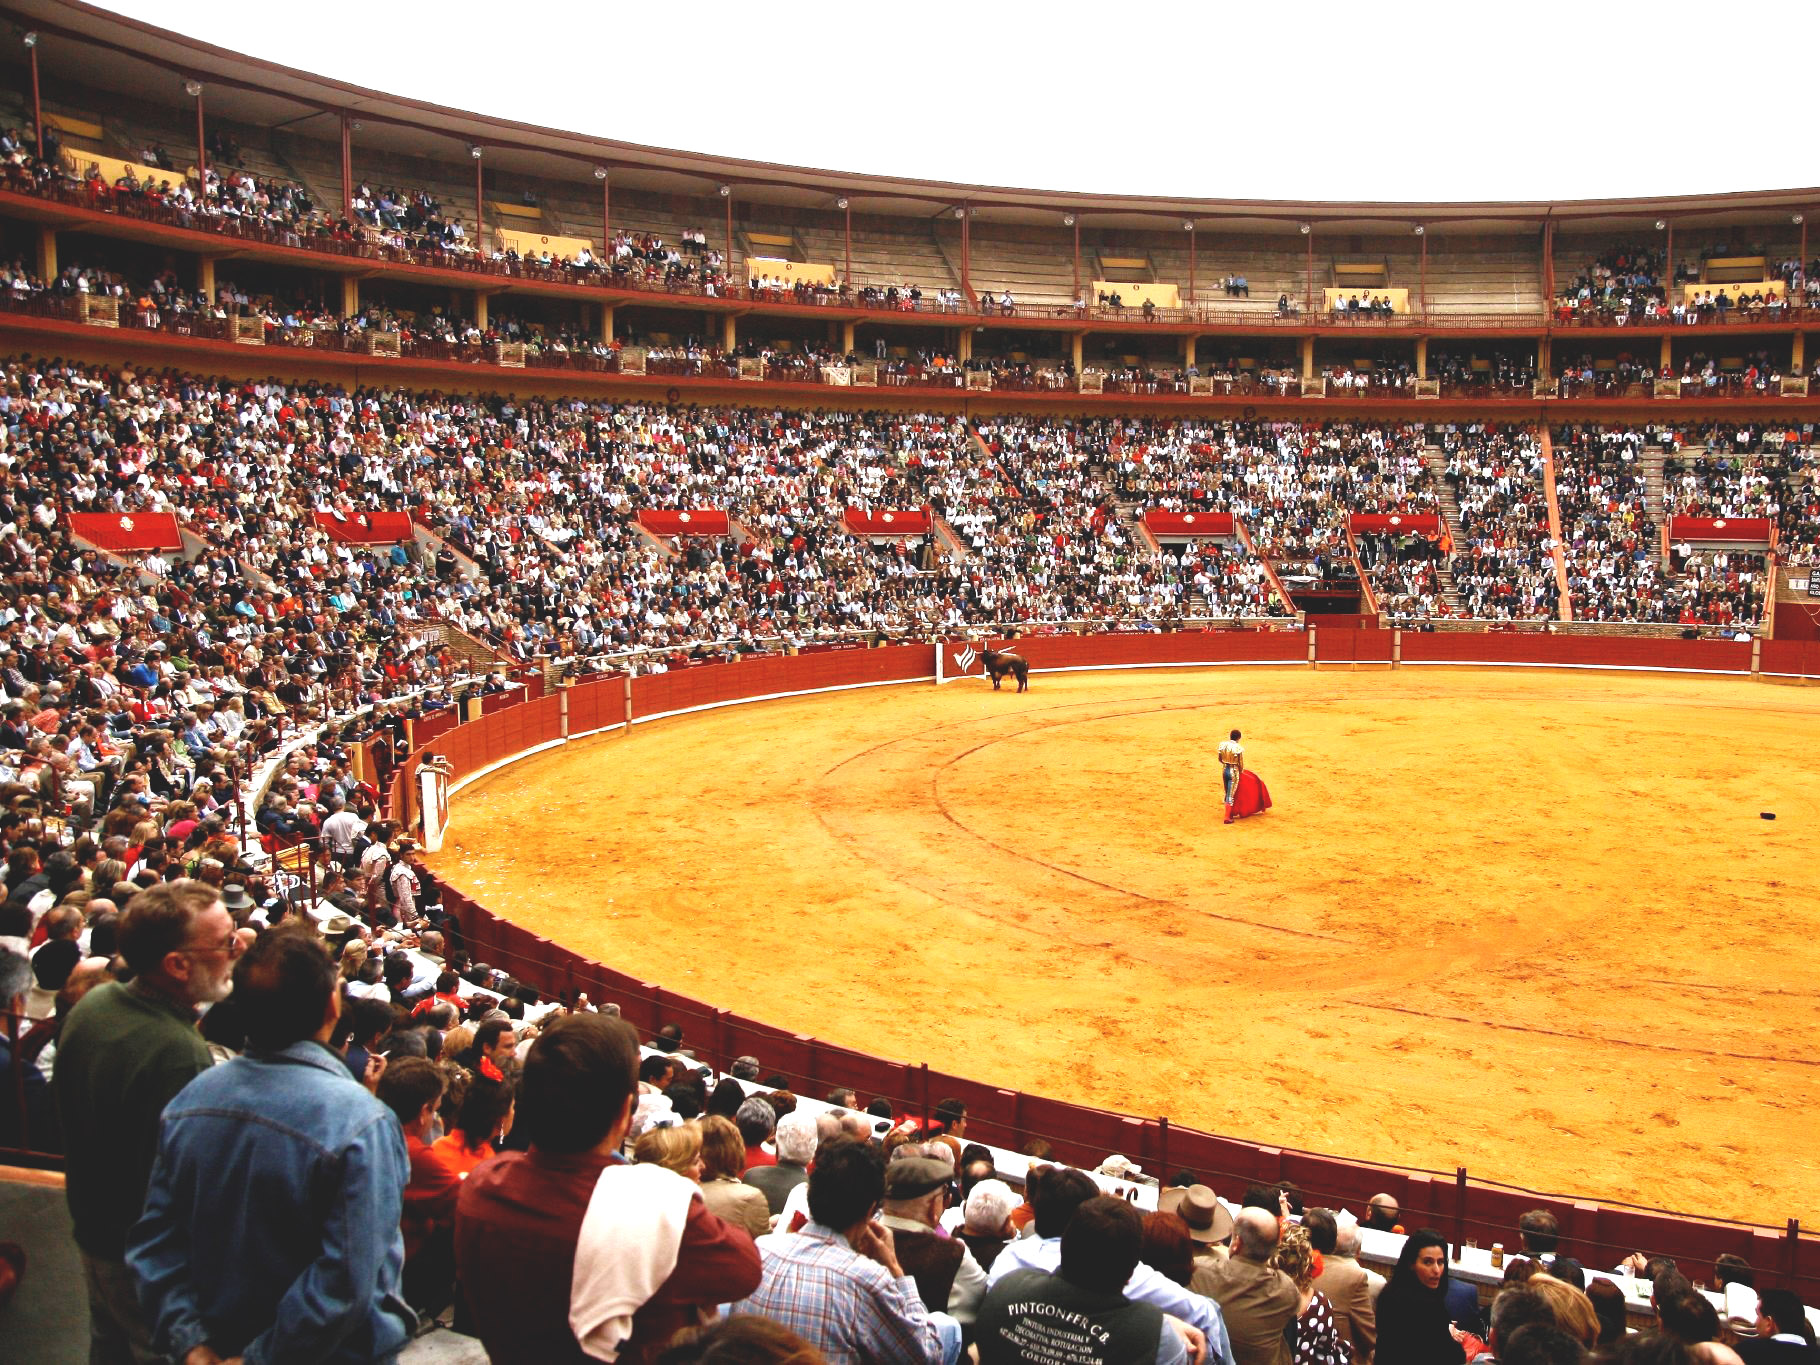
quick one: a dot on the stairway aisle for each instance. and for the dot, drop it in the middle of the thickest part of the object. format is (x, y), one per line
(1450, 517)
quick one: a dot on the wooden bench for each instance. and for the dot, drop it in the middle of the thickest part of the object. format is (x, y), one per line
(1736, 269)
(790, 272)
(1361, 274)
(1336, 299)
(76, 127)
(112, 169)
(1136, 293)
(535, 244)
(1770, 289)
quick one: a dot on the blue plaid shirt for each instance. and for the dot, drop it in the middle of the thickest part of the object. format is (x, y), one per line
(846, 1305)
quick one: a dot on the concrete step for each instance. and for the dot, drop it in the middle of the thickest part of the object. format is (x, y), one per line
(1450, 516)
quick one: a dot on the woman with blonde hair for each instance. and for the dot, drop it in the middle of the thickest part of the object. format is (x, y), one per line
(455, 1042)
(723, 1156)
(1317, 1336)
(1574, 1312)
(675, 1148)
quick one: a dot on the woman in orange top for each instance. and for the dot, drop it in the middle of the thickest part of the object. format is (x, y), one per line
(437, 1171)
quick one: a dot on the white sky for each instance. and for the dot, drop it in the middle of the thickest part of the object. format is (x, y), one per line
(1314, 99)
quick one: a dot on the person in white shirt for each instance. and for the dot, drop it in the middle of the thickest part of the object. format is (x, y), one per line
(342, 831)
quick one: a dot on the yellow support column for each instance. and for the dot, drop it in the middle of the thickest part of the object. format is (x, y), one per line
(1188, 352)
(480, 310)
(350, 296)
(1798, 356)
(1543, 357)
(47, 254)
(1079, 349)
(846, 338)
(606, 324)
(729, 333)
(1421, 357)
(205, 277)
(1668, 352)
(964, 351)
(1308, 357)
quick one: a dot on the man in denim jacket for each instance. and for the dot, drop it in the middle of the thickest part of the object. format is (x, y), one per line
(271, 1228)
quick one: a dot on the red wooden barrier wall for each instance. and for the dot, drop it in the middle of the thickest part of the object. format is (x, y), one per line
(1181, 647)
(1599, 1234)
(1499, 647)
(1340, 644)
(662, 693)
(1791, 658)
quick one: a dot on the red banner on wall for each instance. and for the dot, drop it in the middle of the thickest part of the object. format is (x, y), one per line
(128, 532)
(1408, 523)
(692, 521)
(914, 522)
(1746, 529)
(1190, 524)
(367, 528)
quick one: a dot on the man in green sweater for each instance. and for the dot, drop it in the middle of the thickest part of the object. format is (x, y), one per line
(125, 1052)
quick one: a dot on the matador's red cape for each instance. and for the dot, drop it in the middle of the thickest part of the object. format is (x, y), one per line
(1252, 797)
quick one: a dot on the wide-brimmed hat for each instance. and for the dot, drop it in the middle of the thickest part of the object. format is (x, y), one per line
(1208, 1219)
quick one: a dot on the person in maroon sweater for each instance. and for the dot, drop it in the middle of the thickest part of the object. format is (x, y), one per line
(519, 1215)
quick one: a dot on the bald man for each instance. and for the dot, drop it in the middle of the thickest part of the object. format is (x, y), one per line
(1257, 1300)
(1383, 1213)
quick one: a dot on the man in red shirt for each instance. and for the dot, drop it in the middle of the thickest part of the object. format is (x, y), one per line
(519, 1215)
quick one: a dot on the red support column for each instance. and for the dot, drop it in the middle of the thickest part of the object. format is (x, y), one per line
(1801, 267)
(966, 251)
(1422, 290)
(347, 169)
(202, 158)
(1548, 265)
(1077, 256)
(37, 108)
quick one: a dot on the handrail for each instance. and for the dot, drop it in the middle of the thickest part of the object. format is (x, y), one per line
(328, 336)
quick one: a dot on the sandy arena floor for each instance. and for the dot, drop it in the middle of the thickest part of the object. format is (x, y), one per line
(1526, 922)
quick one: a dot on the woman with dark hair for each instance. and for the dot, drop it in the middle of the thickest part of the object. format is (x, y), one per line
(1413, 1328)
(1608, 1305)
(484, 1118)
(727, 1098)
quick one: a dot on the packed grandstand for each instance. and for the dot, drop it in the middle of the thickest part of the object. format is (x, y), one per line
(315, 447)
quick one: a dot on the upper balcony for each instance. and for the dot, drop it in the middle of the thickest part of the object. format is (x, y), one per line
(845, 245)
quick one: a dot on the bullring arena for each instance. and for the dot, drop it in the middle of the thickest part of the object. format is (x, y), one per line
(1585, 973)
(496, 613)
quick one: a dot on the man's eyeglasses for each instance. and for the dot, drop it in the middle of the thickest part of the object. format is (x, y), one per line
(233, 945)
